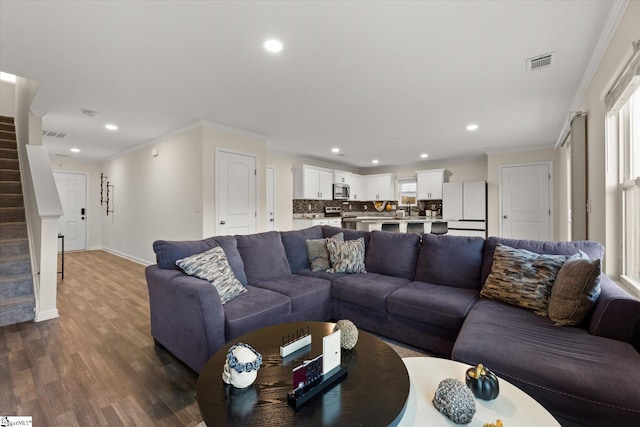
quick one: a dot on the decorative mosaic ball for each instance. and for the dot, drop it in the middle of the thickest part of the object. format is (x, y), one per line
(454, 399)
(348, 333)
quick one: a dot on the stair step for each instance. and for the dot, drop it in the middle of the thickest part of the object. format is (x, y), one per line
(15, 266)
(13, 230)
(6, 119)
(9, 175)
(11, 200)
(8, 143)
(11, 214)
(7, 126)
(10, 187)
(9, 164)
(5, 134)
(14, 247)
(16, 310)
(8, 153)
(16, 286)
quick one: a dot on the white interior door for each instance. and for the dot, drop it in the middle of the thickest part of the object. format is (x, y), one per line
(525, 192)
(271, 202)
(72, 188)
(235, 193)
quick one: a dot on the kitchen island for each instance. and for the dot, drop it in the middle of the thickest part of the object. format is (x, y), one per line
(410, 224)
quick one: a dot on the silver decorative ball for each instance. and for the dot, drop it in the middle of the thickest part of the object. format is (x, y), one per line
(348, 333)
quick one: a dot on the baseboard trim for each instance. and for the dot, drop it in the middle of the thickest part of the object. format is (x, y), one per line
(127, 256)
(47, 315)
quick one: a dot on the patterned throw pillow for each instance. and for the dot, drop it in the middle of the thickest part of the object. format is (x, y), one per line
(575, 290)
(213, 266)
(318, 254)
(522, 278)
(346, 257)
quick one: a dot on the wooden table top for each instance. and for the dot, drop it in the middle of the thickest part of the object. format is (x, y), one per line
(374, 393)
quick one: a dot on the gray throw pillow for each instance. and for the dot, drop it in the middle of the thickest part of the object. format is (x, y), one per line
(522, 278)
(318, 254)
(346, 257)
(575, 290)
(213, 266)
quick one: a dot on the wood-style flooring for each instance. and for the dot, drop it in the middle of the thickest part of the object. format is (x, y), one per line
(97, 365)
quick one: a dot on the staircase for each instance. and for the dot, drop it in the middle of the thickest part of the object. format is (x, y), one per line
(17, 302)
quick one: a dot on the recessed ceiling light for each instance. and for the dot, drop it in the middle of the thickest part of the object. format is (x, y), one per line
(6, 77)
(273, 45)
(472, 127)
(375, 161)
(424, 155)
(75, 150)
(111, 127)
(335, 150)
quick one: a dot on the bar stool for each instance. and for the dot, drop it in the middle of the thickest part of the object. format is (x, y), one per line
(415, 227)
(439, 227)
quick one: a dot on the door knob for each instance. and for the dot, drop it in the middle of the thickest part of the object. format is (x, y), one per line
(504, 216)
(271, 220)
(222, 222)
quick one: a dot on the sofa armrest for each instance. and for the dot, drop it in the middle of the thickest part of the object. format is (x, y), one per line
(186, 315)
(616, 314)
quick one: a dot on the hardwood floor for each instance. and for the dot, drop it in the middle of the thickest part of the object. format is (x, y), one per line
(97, 365)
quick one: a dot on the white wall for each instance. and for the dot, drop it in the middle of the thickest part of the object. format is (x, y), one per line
(7, 99)
(95, 212)
(460, 170)
(154, 197)
(497, 159)
(603, 174)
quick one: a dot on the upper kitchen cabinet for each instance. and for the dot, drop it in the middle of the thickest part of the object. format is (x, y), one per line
(430, 183)
(380, 186)
(356, 184)
(310, 182)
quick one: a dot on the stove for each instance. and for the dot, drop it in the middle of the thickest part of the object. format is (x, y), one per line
(332, 212)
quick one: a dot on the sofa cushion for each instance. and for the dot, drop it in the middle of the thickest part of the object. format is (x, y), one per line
(230, 246)
(368, 290)
(305, 293)
(450, 260)
(522, 278)
(319, 274)
(393, 254)
(264, 256)
(593, 249)
(575, 291)
(255, 309)
(346, 257)
(295, 248)
(318, 253)
(567, 370)
(442, 306)
(212, 266)
(168, 252)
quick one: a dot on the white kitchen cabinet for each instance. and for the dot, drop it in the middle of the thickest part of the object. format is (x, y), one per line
(356, 183)
(430, 184)
(465, 200)
(380, 186)
(310, 182)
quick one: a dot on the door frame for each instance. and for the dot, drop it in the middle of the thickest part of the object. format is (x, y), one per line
(273, 194)
(86, 202)
(549, 164)
(217, 183)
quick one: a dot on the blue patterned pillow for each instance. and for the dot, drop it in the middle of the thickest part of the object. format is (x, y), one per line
(213, 266)
(346, 257)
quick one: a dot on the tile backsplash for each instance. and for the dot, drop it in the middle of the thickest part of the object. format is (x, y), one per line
(302, 206)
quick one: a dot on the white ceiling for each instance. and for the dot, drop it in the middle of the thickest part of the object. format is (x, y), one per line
(386, 80)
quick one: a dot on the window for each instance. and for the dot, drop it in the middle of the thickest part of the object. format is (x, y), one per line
(407, 189)
(629, 140)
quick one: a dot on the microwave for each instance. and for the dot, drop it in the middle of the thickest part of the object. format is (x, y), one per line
(341, 191)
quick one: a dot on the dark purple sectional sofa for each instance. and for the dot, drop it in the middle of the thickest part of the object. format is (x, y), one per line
(422, 290)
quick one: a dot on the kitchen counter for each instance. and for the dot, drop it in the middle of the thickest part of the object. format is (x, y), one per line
(390, 223)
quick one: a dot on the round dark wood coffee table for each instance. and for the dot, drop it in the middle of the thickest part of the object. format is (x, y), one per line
(374, 393)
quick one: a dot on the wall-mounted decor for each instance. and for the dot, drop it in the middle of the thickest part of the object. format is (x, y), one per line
(105, 192)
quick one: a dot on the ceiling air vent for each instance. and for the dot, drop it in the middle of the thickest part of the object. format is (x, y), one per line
(540, 62)
(54, 134)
